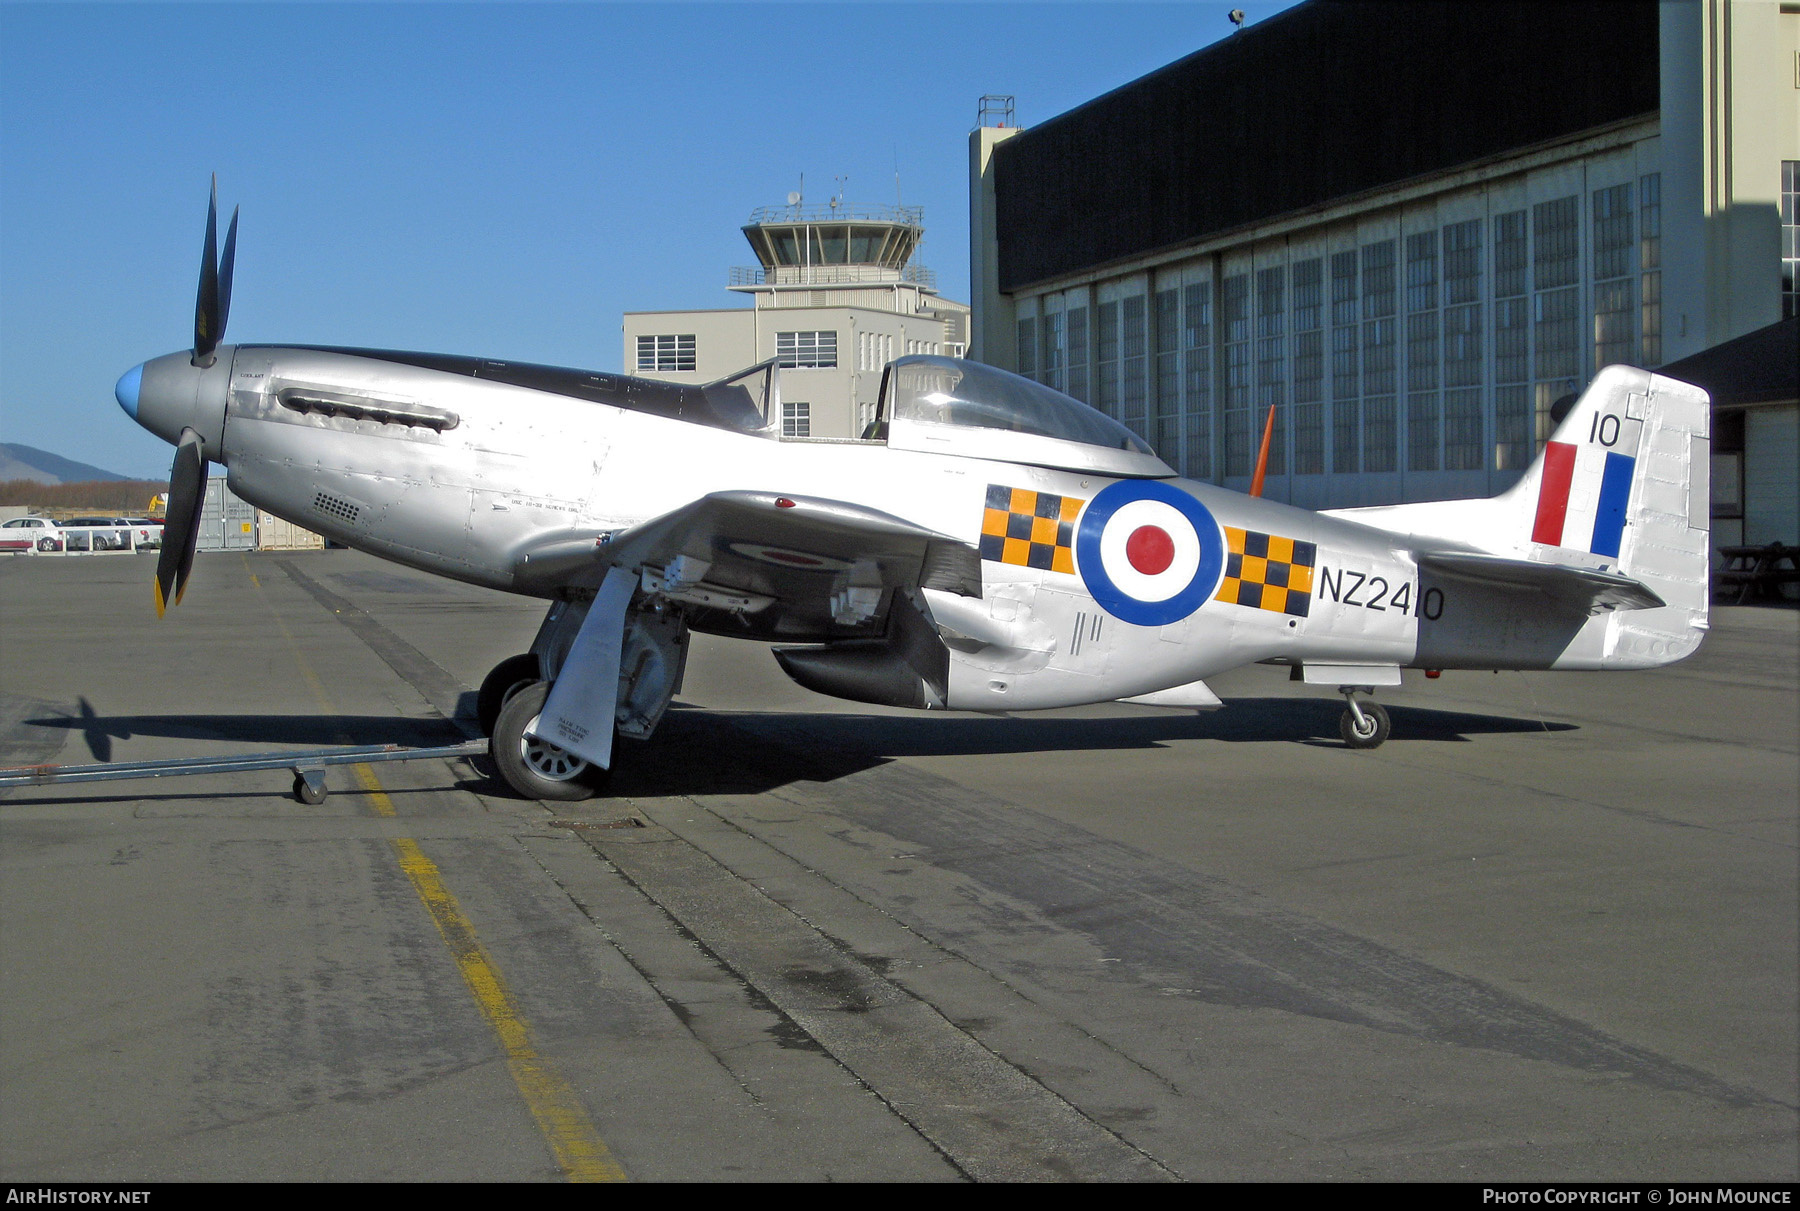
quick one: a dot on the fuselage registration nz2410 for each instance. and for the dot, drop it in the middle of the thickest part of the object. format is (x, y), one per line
(989, 544)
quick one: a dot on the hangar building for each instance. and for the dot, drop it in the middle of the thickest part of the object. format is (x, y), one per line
(1412, 228)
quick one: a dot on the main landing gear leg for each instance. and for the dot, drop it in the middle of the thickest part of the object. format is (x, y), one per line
(1363, 724)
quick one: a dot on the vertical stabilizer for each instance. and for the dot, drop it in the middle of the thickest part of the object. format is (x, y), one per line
(1621, 488)
(1622, 484)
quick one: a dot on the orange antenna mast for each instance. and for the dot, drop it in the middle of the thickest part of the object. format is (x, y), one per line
(1262, 455)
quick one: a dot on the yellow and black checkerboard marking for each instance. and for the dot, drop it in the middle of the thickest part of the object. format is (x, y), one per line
(1268, 572)
(1031, 529)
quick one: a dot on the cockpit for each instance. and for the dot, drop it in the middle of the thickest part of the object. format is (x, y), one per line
(944, 405)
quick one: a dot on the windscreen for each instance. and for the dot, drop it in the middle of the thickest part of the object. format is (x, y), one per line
(948, 391)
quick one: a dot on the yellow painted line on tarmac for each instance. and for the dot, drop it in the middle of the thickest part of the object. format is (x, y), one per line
(562, 1118)
(553, 1102)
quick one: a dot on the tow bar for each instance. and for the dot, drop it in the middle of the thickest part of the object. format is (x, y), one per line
(309, 766)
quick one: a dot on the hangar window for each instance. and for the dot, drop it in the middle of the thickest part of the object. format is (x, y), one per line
(1424, 415)
(1271, 362)
(1053, 360)
(1512, 343)
(1076, 321)
(1615, 271)
(1556, 232)
(1346, 367)
(1462, 346)
(1309, 367)
(1168, 375)
(1650, 255)
(1235, 315)
(1555, 306)
(1196, 327)
(1106, 357)
(1380, 338)
(1134, 364)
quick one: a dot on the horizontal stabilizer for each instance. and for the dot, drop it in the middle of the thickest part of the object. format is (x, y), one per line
(1581, 590)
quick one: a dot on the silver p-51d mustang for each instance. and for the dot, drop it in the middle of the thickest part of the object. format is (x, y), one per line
(990, 545)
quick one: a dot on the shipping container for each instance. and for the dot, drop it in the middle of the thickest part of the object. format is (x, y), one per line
(226, 522)
(275, 534)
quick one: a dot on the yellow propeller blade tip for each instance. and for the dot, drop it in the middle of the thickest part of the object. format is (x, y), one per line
(156, 586)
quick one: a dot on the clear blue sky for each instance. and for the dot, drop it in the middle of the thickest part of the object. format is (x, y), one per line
(497, 179)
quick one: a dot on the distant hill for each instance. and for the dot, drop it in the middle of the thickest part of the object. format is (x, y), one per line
(41, 466)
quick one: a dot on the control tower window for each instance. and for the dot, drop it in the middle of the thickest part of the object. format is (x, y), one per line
(807, 350)
(662, 354)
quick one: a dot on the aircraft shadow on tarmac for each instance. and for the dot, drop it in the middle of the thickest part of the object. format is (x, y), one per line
(700, 751)
(299, 731)
(754, 752)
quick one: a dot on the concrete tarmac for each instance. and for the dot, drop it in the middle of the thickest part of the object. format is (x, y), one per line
(1547, 932)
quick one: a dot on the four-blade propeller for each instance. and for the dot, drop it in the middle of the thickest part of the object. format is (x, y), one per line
(187, 478)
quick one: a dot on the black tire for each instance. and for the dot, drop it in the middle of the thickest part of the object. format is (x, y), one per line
(46, 544)
(507, 678)
(1377, 726)
(532, 767)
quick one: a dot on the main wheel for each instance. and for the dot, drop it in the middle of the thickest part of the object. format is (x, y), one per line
(1374, 728)
(507, 678)
(536, 768)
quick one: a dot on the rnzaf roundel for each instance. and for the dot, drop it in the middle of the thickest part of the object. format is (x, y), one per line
(1028, 528)
(1149, 553)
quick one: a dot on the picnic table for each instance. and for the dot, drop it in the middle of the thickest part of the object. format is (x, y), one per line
(1757, 572)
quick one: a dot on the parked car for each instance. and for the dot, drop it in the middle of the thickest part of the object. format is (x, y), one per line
(91, 536)
(32, 535)
(149, 532)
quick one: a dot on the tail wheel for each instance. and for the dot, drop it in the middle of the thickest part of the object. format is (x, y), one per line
(498, 687)
(1368, 731)
(536, 768)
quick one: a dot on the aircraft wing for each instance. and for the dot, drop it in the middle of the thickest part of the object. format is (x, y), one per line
(764, 565)
(1580, 590)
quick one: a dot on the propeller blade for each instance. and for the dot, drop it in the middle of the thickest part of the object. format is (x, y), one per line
(181, 521)
(206, 303)
(225, 263)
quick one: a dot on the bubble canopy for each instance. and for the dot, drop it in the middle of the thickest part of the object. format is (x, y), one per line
(949, 406)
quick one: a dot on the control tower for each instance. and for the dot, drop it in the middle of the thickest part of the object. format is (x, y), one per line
(835, 296)
(834, 245)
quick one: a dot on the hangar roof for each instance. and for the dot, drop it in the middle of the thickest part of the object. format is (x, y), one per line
(1324, 101)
